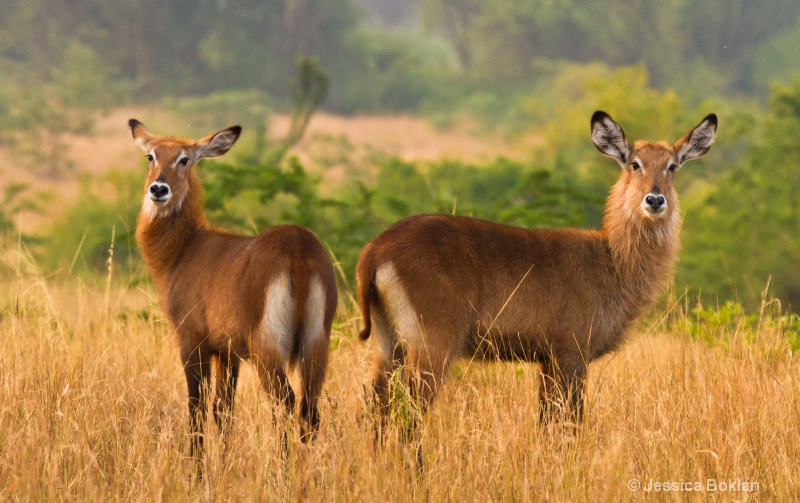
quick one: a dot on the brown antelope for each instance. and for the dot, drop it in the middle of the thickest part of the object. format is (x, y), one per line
(231, 297)
(434, 288)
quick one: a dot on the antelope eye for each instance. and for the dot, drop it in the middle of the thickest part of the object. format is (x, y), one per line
(149, 158)
(672, 167)
(635, 165)
(183, 161)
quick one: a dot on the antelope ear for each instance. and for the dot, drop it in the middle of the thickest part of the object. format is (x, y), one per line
(141, 135)
(218, 143)
(697, 141)
(609, 138)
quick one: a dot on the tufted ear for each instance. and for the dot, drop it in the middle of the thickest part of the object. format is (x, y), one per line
(609, 138)
(697, 141)
(141, 135)
(218, 143)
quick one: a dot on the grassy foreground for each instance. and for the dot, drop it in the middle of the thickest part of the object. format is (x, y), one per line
(93, 408)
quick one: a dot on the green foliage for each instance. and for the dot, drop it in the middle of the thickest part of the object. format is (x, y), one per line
(251, 197)
(568, 94)
(670, 38)
(254, 196)
(534, 66)
(722, 325)
(742, 230)
(81, 236)
(739, 230)
(247, 108)
(308, 93)
(446, 51)
(503, 190)
(774, 60)
(40, 117)
(713, 323)
(282, 194)
(15, 200)
(393, 72)
(790, 326)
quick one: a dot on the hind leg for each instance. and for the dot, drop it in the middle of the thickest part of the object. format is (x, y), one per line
(426, 367)
(313, 364)
(388, 359)
(272, 373)
(274, 380)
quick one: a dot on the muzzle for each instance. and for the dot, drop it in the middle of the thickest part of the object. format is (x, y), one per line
(159, 192)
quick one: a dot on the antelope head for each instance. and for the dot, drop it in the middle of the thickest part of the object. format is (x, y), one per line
(648, 178)
(170, 163)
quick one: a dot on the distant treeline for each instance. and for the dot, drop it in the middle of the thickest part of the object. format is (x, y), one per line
(441, 52)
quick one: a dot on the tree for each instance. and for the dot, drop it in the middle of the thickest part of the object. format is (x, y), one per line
(41, 116)
(262, 176)
(455, 19)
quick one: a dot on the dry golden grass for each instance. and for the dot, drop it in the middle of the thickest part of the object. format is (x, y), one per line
(93, 408)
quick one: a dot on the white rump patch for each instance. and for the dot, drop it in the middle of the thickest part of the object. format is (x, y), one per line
(279, 316)
(399, 309)
(315, 313)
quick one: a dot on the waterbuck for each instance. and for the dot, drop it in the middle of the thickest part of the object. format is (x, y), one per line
(434, 288)
(230, 297)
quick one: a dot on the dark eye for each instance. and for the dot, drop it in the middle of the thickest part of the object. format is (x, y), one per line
(635, 165)
(149, 158)
(183, 161)
(672, 167)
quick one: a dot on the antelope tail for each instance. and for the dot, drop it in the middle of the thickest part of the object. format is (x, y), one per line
(365, 276)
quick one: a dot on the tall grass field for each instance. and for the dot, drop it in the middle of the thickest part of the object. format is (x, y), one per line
(699, 400)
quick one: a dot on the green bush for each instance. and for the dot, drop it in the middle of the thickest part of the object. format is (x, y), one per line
(742, 228)
(105, 214)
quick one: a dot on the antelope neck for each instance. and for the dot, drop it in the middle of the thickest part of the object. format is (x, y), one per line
(162, 239)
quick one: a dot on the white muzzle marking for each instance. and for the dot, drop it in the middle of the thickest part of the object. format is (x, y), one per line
(159, 192)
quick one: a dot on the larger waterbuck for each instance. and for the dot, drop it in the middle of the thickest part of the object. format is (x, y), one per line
(434, 288)
(229, 297)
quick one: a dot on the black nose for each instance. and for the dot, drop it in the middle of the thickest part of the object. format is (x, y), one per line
(159, 190)
(655, 201)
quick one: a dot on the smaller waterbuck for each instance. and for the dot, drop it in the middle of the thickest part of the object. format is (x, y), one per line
(434, 288)
(230, 297)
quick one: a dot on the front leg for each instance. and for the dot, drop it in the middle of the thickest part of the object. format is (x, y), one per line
(561, 391)
(197, 367)
(227, 376)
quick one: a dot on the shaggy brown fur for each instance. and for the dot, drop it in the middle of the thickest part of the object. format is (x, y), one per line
(230, 297)
(435, 288)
